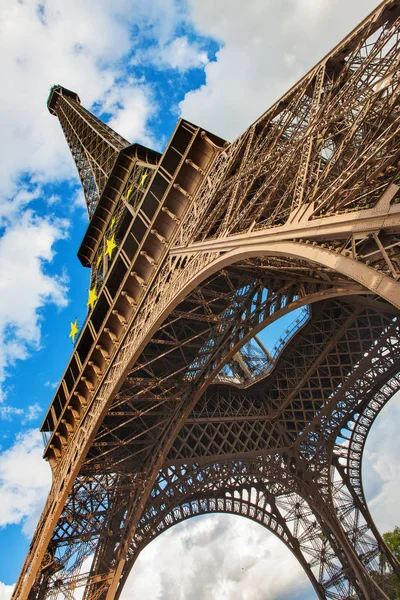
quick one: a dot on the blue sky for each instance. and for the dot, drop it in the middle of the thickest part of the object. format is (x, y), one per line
(139, 66)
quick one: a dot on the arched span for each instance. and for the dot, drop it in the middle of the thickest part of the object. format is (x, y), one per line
(251, 512)
(246, 336)
(196, 269)
(235, 250)
(349, 460)
(360, 427)
(252, 489)
(183, 416)
(131, 350)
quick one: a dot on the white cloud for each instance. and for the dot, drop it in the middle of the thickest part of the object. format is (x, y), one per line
(381, 467)
(7, 413)
(24, 481)
(267, 47)
(31, 413)
(218, 557)
(78, 200)
(10, 208)
(79, 45)
(26, 248)
(132, 104)
(179, 54)
(51, 384)
(5, 591)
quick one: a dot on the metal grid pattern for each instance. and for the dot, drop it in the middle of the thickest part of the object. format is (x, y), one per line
(159, 417)
(94, 146)
(129, 200)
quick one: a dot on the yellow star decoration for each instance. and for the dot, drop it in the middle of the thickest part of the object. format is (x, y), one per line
(92, 297)
(143, 178)
(128, 193)
(112, 224)
(74, 330)
(110, 246)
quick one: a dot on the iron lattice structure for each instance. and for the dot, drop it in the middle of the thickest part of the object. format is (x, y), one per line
(171, 406)
(94, 146)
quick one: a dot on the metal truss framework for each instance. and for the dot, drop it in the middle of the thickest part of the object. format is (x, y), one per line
(94, 146)
(171, 406)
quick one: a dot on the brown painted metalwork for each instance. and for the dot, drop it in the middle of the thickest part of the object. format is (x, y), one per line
(171, 406)
(94, 146)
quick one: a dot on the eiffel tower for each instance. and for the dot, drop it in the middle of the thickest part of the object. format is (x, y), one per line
(171, 406)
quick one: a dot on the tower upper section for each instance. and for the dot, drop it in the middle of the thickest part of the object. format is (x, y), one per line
(94, 145)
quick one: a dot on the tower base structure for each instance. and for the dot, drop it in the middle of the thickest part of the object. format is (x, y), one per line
(171, 405)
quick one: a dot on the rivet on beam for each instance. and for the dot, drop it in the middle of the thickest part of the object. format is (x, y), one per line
(103, 352)
(74, 412)
(148, 257)
(120, 317)
(81, 398)
(182, 191)
(170, 214)
(88, 383)
(62, 438)
(95, 368)
(192, 164)
(112, 335)
(139, 279)
(159, 236)
(57, 451)
(205, 137)
(129, 298)
(68, 425)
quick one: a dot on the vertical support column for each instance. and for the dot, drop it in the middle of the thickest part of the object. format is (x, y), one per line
(294, 542)
(363, 580)
(359, 506)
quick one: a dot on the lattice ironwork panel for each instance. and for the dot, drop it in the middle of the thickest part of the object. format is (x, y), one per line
(94, 146)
